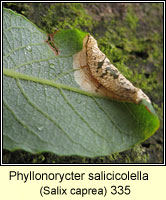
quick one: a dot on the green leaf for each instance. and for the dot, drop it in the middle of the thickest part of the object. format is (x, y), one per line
(44, 109)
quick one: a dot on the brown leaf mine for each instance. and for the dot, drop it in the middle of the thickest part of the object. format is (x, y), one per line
(50, 42)
(96, 74)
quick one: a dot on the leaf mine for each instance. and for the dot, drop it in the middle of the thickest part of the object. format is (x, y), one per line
(96, 74)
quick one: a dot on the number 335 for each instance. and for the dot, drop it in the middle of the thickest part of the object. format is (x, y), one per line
(120, 190)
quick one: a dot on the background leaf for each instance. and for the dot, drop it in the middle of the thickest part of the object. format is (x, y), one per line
(45, 109)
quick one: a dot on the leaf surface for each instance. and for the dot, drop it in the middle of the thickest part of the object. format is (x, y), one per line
(44, 109)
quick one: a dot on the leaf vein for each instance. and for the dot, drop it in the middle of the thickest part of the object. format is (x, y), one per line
(22, 47)
(21, 122)
(45, 115)
(101, 108)
(87, 124)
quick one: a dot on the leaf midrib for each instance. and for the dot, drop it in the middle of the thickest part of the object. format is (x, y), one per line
(18, 75)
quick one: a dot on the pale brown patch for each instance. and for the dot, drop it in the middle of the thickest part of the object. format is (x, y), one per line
(96, 74)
